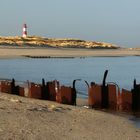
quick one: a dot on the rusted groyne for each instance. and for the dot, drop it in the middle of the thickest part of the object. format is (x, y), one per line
(103, 96)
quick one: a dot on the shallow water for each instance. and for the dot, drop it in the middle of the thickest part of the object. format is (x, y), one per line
(135, 121)
(122, 70)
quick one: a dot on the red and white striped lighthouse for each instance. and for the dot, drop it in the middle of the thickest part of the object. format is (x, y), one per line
(24, 30)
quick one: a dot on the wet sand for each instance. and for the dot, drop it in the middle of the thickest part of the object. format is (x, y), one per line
(13, 52)
(30, 119)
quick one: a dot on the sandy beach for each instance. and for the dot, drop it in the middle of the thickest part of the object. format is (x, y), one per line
(30, 119)
(13, 52)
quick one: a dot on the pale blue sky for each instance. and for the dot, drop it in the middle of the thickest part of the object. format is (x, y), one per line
(113, 21)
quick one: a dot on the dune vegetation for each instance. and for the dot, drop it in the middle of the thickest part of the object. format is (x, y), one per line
(35, 41)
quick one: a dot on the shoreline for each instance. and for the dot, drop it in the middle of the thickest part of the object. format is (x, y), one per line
(65, 53)
(37, 119)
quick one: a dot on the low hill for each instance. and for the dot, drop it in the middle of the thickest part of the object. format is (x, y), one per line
(57, 43)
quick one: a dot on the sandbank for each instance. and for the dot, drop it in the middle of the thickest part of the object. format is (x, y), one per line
(14, 52)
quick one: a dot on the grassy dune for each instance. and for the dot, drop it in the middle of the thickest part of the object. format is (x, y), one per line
(51, 42)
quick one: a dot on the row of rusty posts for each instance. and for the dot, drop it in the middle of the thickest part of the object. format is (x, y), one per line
(47, 91)
(108, 96)
(10, 87)
(105, 95)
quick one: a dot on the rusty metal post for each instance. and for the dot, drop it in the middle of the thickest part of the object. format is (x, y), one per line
(126, 100)
(74, 94)
(13, 86)
(22, 91)
(35, 91)
(6, 87)
(14, 89)
(43, 82)
(65, 95)
(105, 100)
(112, 96)
(44, 90)
(52, 89)
(135, 96)
(94, 96)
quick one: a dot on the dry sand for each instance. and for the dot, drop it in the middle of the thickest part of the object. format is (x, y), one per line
(16, 52)
(30, 119)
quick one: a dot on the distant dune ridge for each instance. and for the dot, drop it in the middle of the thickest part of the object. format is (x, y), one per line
(51, 42)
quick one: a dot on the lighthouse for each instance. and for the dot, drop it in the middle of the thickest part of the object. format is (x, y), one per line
(24, 30)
